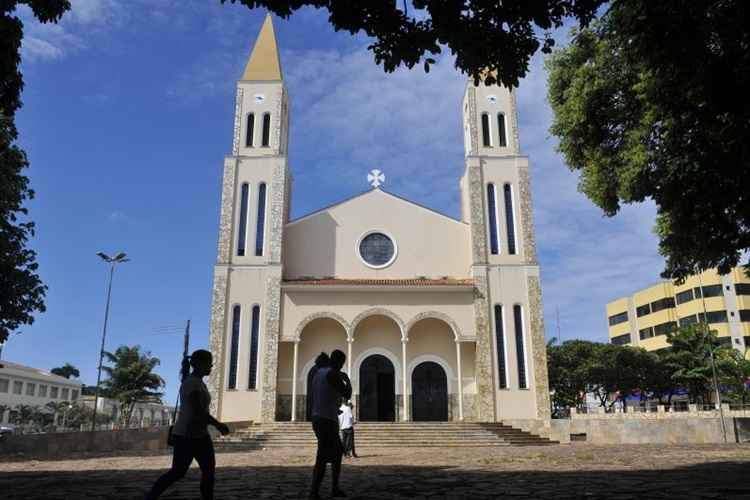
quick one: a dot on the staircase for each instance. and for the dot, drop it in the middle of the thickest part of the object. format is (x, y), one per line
(383, 435)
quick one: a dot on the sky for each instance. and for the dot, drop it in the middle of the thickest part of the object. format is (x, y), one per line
(128, 114)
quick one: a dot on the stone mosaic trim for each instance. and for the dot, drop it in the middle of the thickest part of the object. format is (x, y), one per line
(527, 217)
(271, 346)
(216, 339)
(278, 105)
(485, 399)
(538, 347)
(312, 317)
(378, 311)
(277, 212)
(476, 207)
(237, 121)
(514, 114)
(226, 218)
(473, 130)
(434, 315)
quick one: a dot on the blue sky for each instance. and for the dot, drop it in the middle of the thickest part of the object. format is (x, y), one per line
(127, 116)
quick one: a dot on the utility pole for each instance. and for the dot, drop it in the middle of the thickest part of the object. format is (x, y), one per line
(559, 335)
(711, 356)
(185, 349)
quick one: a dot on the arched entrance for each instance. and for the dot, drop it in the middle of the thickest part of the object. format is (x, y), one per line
(429, 393)
(309, 399)
(377, 390)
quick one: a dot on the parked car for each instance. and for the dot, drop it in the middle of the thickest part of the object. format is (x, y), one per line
(6, 430)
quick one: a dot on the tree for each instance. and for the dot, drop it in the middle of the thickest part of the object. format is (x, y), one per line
(569, 366)
(658, 378)
(649, 102)
(67, 371)
(734, 374)
(131, 379)
(21, 290)
(490, 39)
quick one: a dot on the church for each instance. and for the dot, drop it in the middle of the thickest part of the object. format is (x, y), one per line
(440, 318)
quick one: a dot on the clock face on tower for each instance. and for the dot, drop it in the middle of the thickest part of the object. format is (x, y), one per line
(260, 98)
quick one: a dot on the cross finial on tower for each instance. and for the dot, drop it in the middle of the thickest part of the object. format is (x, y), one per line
(376, 178)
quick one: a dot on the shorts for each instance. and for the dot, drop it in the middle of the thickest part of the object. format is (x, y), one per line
(330, 448)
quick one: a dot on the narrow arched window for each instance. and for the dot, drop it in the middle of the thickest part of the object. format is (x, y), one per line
(250, 132)
(502, 139)
(266, 129)
(260, 228)
(510, 221)
(242, 232)
(500, 345)
(234, 348)
(492, 219)
(254, 329)
(486, 130)
(520, 349)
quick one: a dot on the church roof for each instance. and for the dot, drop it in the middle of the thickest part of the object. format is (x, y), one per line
(264, 62)
(407, 282)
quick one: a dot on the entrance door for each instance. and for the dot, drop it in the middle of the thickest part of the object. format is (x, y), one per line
(429, 388)
(309, 399)
(377, 390)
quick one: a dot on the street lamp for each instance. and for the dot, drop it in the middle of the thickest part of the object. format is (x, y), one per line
(112, 261)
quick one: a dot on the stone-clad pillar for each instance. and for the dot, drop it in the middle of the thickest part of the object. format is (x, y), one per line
(271, 344)
(485, 399)
(538, 348)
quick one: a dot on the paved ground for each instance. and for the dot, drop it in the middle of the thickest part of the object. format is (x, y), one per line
(556, 472)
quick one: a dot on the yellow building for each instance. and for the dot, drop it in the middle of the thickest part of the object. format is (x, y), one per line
(644, 318)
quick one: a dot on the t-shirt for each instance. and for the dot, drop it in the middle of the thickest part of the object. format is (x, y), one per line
(346, 419)
(325, 396)
(186, 424)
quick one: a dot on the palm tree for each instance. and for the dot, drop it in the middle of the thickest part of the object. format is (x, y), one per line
(67, 371)
(131, 379)
(24, 414)
(3, 409)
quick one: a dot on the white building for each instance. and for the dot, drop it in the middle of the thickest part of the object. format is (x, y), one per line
(145, 414)
(23, 385)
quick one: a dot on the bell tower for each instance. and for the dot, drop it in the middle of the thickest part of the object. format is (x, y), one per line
(254, 208)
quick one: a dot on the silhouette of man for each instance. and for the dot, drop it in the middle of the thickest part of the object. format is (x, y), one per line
(328, 387)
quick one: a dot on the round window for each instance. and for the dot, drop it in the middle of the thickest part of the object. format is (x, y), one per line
(377, 249)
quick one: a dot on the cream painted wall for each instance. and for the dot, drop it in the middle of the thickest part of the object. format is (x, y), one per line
(432, 337)
(325, 243)
(379, 333)
(319, 335)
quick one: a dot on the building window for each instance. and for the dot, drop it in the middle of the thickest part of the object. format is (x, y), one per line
(717, 316)
(688, 320)
(42, 391)
(64, 394)
(742, 288)
(520, 356)
(30, 389)
(618, 318)
(250, 130)
(73, 395)
(242, 236)
(17, 387)
(486, 130)
(744, 316)
(492, 216)
(646, 333)
(503, 141)
(53, 392)
(4, 384)
(377, 250)
(500, 344)
(712, 291)
(725, 341)
(685, 296)
(254, 327)
(260, 228)
(661, 304)
(664, 328)
(621, 339)
(234, 347)
(510, 219)
(643, 310)
(266, 129)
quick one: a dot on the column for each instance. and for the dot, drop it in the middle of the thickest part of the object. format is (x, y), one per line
(294, 381)
(349, 358)
(405, 396)
(460, 382)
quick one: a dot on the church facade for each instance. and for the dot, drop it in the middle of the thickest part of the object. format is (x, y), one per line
(440, 318)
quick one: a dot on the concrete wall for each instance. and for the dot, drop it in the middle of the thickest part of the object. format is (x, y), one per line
(63, 443)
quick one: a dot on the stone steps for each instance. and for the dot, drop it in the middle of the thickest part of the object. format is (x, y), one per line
(385, 434)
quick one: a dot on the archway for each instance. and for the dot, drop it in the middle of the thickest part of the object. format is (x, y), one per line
(429, 393)
(377, 390)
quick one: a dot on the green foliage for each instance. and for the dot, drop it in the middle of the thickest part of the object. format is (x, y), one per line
(67, 371)
(489, 39)
(131, 379)
(734, 373)
(648, 103)
(568, 365)
(21, 290)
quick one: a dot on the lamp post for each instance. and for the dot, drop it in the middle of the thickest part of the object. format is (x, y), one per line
(112, 261)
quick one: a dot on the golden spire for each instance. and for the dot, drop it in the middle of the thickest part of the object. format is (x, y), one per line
(264, 63)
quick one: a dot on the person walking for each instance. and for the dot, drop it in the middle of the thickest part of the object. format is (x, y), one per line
(346, 424)
(190, 431)
(329, 385)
